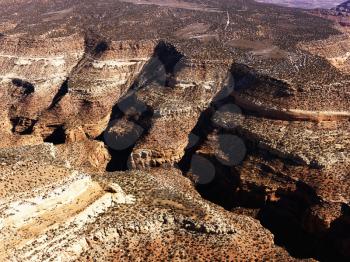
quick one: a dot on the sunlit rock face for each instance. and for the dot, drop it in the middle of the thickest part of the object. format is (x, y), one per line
(176, 105)
(97, 82)
(60, 213)
(173, 130)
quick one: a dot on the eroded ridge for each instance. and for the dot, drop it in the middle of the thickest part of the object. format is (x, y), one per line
(77, 216)
(216, 99)
(293, 175)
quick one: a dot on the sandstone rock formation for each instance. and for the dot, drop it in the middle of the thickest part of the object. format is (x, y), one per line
(123, 216)
(173, 130)
(296, 165)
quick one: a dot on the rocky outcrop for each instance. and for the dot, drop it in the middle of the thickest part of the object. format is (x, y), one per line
(255, 118)
(282, 169)
(175, 108)
(72, 215)
(96, 83)
(33, 70)
(56, 87)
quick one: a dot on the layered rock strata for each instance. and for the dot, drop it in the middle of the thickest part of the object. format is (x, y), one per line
(285, 174)
(73, 215)
(90, 86)
(168, 108)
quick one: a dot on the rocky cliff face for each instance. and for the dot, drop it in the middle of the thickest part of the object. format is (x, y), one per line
(210, 134)
(122, 216)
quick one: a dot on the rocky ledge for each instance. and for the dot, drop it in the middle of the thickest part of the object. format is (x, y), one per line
(209, 135)
(125, 216)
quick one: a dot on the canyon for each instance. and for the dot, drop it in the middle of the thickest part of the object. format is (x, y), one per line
(173, 131)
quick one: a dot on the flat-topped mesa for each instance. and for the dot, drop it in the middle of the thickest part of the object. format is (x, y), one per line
(96, 83)
(175, 102)
(276, 99)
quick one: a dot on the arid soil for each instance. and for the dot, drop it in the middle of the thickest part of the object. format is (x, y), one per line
(173, 131)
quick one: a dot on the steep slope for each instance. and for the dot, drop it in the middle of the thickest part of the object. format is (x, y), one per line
(66, 214)
(256, 118)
